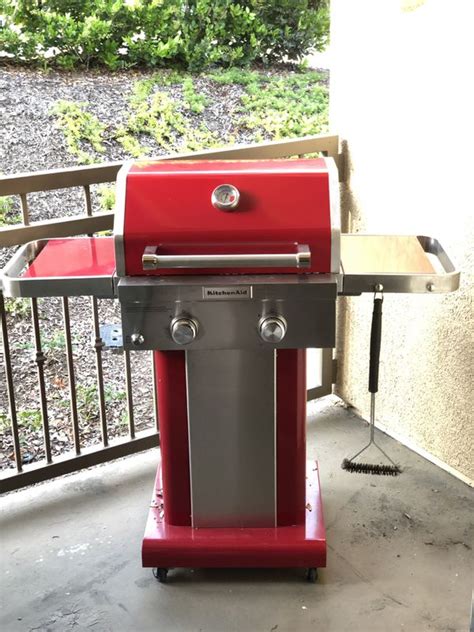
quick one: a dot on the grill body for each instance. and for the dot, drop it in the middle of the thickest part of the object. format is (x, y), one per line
(229, 299)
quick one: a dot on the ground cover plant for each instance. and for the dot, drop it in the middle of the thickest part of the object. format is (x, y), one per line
(7, 212)
(173, 112)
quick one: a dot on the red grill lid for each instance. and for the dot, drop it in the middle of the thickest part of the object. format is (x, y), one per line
(282, 205)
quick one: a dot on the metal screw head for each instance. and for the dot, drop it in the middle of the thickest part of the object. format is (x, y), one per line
(137, 339)
(430, 287)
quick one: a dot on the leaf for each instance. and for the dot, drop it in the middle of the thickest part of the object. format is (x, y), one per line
(59, 382)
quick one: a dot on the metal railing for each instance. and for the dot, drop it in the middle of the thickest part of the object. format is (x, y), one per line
(88, 222)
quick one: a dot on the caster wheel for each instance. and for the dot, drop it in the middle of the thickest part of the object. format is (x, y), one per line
(312, 575)
(161, 574)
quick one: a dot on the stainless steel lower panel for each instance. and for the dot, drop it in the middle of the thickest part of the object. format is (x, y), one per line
(232, 425)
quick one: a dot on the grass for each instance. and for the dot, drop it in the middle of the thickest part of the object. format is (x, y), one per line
(272, 106)
(18, 307)
(4, 422)
(154, 113)
(83, 131)
(237, 76)
(194, 101)
(56, 341)
(6, 207)
(7, 216)
(157, 118)
(131, 144)
(283, 108)
(31, 419)
(106, 193)
(88, 400)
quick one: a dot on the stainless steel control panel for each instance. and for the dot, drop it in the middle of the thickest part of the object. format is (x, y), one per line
(241, 312)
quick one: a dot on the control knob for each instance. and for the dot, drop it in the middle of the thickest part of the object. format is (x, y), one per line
(272, 329)
(183, 330)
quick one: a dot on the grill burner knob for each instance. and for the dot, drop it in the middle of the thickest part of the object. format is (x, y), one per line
(183, 330)
(272, 329)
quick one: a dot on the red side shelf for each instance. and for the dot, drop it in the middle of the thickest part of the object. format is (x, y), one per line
(74, 257)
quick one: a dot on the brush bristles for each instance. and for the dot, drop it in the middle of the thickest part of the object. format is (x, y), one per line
(371, 468)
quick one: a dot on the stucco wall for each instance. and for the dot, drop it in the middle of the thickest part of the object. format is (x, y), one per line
(401, 97)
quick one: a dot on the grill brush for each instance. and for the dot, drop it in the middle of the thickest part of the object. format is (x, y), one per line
(391, 468)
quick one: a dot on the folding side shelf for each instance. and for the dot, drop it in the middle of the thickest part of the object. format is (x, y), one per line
(62, 267)
(399, 263)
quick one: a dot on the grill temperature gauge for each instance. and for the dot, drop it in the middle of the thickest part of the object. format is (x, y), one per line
(225, 197)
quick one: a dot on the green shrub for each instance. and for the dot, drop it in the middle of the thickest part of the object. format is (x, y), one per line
(190, 33)
(293, 28)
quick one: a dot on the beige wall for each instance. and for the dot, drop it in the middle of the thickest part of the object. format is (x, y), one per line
(401, 96)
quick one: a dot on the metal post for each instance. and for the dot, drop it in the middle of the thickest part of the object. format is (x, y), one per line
(40, 360)
(98, 342)
(128, 386)
(71, 375)
(10, 387)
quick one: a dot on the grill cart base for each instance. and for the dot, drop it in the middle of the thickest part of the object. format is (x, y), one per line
(302, 545)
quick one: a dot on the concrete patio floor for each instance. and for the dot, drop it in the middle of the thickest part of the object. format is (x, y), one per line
(399, 553)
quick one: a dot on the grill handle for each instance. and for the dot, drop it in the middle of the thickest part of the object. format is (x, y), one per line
(299, 259)
(375, 343)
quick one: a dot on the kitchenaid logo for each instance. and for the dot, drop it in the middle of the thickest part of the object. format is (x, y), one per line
(222, 293)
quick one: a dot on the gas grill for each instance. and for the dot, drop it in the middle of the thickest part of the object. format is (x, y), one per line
(228, 271)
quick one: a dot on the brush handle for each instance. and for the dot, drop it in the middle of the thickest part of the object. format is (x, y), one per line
(375, 342)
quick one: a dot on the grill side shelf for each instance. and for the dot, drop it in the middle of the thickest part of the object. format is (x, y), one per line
(400, 263)
(61, 267)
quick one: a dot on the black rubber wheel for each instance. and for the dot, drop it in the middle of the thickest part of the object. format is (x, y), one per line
(161, 574)
(312, 575)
